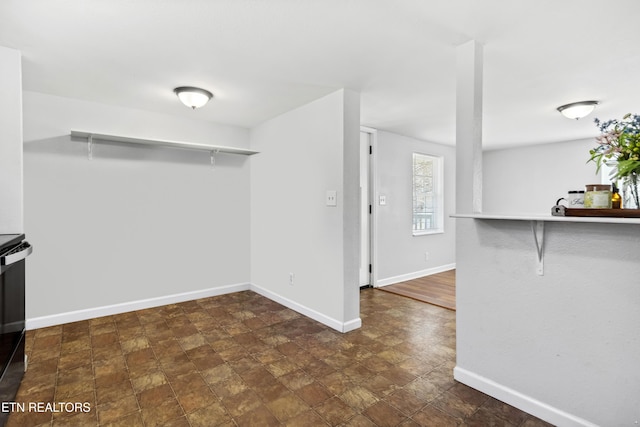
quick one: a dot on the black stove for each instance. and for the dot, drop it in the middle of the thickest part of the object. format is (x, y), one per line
(13, 251)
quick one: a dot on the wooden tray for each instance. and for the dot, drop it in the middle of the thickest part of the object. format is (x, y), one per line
(616, 213)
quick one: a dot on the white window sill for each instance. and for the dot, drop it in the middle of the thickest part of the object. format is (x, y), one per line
(428, 232)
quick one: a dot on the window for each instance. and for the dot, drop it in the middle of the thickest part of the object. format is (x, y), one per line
(427, 194)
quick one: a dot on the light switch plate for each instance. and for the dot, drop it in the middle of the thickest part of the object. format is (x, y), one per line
(332, 198)
(382, 200)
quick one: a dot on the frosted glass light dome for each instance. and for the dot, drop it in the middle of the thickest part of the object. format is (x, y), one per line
(192, 96)
(577, 110)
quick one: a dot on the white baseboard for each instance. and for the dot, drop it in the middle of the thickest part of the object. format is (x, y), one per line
(351, 325)
(325, 320)
(414, 275)
(521, 401)
(108, 310)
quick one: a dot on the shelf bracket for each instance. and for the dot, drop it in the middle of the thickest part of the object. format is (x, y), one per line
(213, 157)
(537, 227)
(90, 147)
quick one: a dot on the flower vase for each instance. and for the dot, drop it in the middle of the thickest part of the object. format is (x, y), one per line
(631, 199)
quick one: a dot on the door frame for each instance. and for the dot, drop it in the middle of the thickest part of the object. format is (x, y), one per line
(373, 190)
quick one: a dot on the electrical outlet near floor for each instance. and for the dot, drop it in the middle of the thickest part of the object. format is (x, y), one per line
(426, 256)
(291, 276)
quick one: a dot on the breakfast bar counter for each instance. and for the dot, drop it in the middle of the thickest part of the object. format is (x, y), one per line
(548, 315)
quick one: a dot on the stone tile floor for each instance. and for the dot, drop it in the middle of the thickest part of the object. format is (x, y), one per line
(243, 360)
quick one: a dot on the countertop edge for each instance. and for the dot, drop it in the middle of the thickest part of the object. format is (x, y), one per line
(546, 218)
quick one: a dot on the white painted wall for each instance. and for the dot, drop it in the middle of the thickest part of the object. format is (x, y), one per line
(135, 222)
(11, 181)
(563, 346)
(351, 215)
(304, 153)
(531, 179)
(401, 256)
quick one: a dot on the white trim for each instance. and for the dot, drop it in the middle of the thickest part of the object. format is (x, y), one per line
(428, 232)
(317, 316)
(415, 275)
(521, 401)
(367, 129)
(108, 310)
(351, 325)
(373, 195)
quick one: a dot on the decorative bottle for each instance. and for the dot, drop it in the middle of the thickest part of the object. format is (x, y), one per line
(616, 199)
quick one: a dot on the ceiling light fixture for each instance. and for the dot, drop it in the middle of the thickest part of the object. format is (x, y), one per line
(577, 110)
(193, 97)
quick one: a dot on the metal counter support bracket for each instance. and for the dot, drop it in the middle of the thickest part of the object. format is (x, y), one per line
(538, 237)
(90, 147)
(213, 153)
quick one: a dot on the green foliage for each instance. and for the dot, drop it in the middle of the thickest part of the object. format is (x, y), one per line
(618, 146)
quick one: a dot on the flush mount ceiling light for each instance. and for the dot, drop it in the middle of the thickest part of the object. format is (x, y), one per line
(193, 97)
(577, 110)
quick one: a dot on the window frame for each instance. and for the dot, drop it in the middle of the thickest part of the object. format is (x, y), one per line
(438, 194)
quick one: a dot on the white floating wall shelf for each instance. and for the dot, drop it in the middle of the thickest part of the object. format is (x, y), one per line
(92, 136)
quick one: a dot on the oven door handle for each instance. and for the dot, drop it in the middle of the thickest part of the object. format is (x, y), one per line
(16, 257)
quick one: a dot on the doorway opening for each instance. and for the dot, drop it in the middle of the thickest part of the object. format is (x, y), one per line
(436, 289)
(367, 247)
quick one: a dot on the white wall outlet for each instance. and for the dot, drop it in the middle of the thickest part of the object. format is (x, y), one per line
(332, 198)
(382, 200)
(291, 277)
(426, 256)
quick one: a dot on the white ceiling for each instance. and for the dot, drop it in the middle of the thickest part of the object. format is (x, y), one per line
(261, 58)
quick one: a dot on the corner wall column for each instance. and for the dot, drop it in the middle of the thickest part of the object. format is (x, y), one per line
(469, 128)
